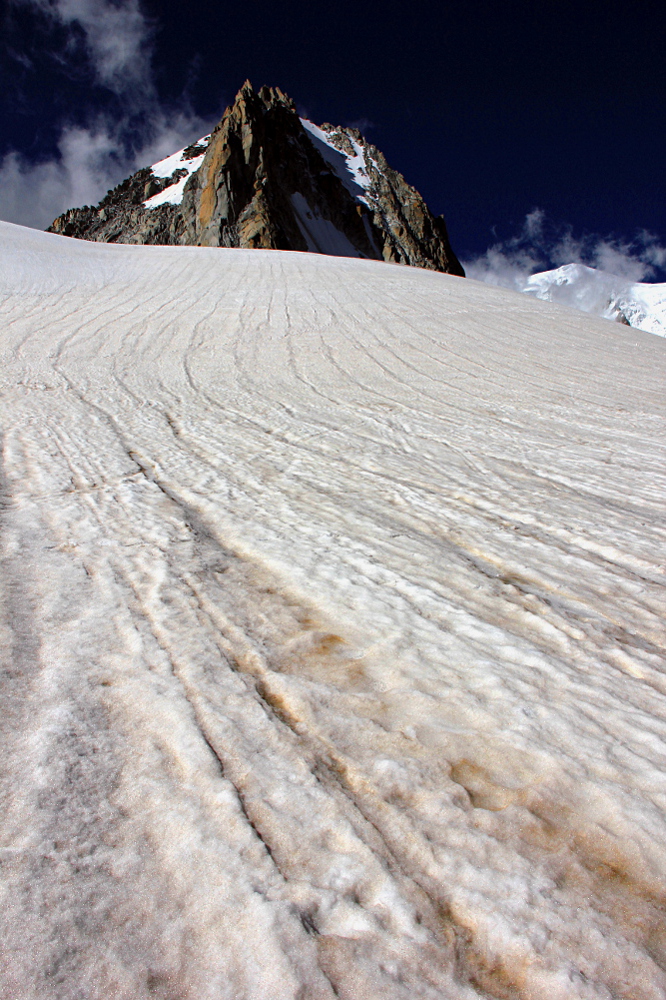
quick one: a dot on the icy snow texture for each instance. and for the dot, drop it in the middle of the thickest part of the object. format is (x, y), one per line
(333, 623)
(641, 304)
(173, 194)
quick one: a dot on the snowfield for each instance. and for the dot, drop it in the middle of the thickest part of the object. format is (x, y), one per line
(333, 623)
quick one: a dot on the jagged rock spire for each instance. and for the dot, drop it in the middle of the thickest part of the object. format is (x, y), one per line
(266, 178)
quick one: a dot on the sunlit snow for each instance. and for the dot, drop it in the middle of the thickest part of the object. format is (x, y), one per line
(173, 194)
(349, 168)
(333, 624)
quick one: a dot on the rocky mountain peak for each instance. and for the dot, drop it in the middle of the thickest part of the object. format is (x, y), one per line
(267, 178)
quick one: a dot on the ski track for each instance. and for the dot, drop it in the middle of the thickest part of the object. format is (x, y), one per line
(333, 616)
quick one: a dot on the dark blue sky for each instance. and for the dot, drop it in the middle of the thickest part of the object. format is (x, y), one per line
(490, 109)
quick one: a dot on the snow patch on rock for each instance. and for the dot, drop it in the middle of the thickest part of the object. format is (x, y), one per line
(349, 167)
(181, 164)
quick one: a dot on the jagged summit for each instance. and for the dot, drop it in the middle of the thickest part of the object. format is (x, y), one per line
(266, 178)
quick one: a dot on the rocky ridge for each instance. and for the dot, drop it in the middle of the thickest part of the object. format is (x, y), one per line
(267, 178)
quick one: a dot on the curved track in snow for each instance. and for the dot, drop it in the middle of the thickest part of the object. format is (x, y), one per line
(333, 609)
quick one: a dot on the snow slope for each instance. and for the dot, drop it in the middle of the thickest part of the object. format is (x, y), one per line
(350, 168)
(321, 235)
(333, 626)
(638, 304)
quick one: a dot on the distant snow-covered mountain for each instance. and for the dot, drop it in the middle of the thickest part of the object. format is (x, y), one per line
(638, 304)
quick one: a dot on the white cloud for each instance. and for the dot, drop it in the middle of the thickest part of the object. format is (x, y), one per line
(32, 194)
(93, 158)
(116, 38)
(534, 222)
(655, 254)
(90, 161)
(541, 245)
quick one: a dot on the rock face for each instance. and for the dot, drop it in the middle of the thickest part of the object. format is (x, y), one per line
(267, 178)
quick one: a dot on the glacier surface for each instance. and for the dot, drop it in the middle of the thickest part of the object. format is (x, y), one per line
(333, 633)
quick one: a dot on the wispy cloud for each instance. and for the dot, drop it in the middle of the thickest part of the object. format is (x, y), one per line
(90, 161)
(364, 125)
(115, 38)
(542, 244)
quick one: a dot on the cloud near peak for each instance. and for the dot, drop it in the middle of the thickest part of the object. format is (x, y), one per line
(541, 245)
(116, 40)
